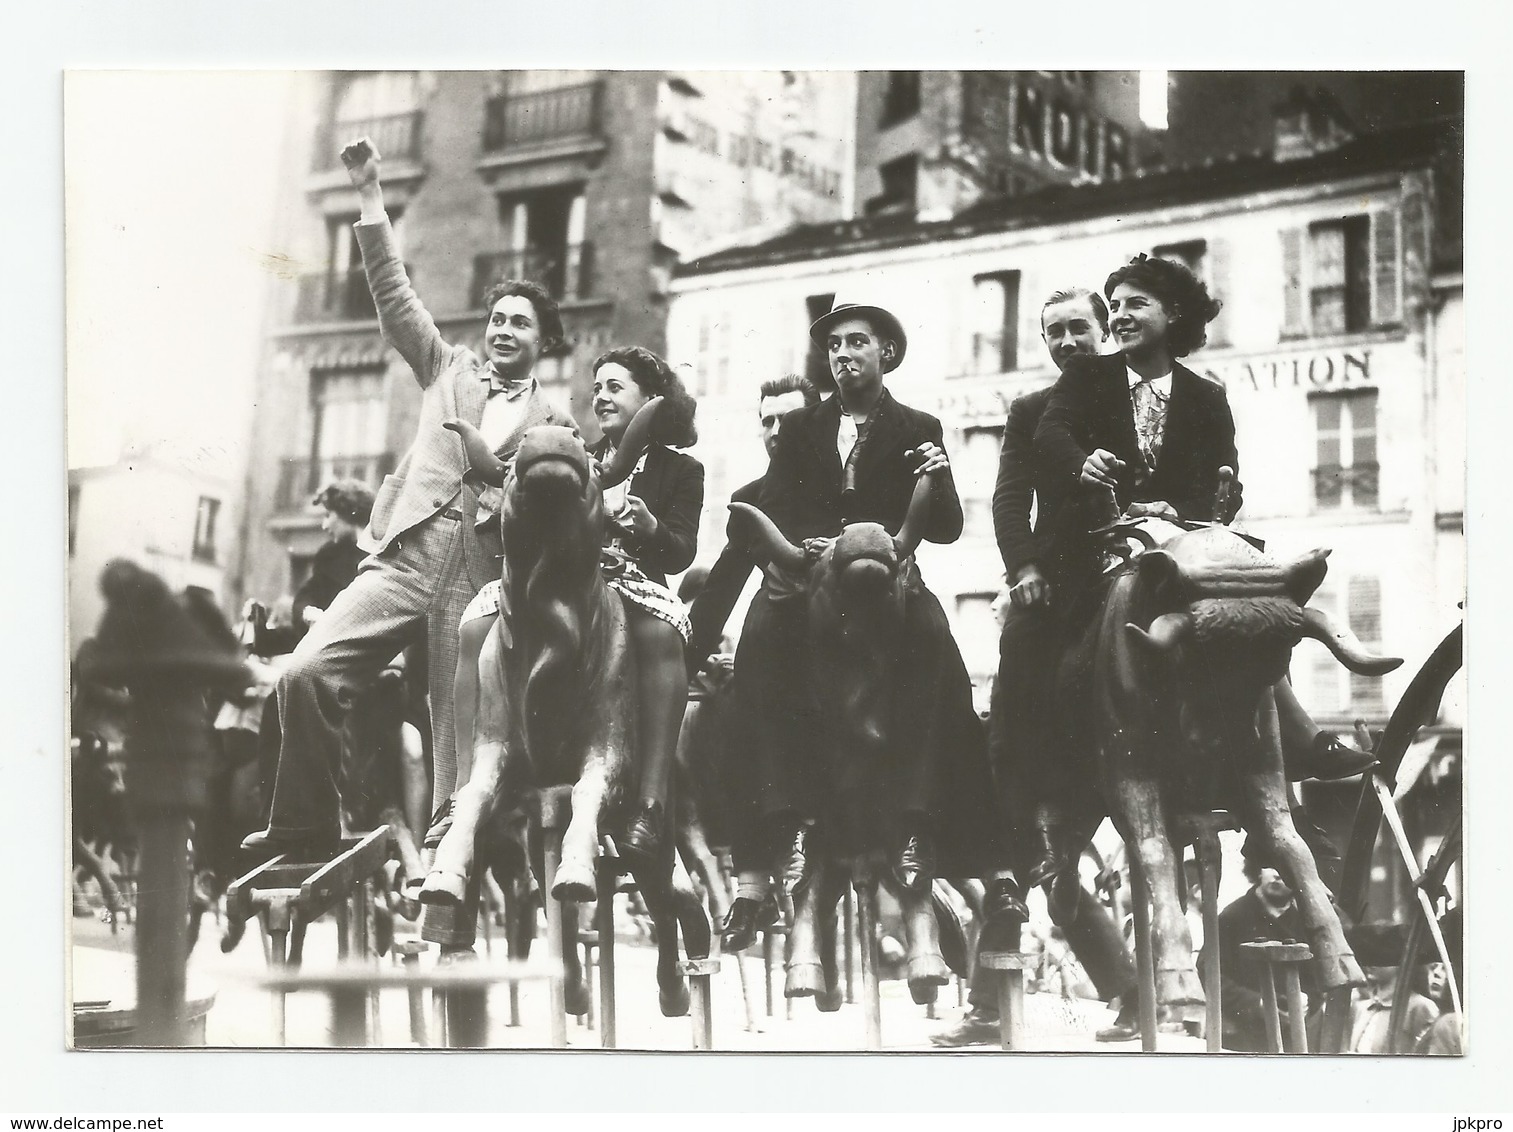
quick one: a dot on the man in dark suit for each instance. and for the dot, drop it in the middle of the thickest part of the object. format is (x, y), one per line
(857, 458)
(753, 907)
(1073, 323)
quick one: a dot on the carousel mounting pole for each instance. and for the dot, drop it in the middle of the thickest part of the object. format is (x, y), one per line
(147, 642)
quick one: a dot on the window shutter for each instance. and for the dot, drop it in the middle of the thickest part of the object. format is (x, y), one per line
(1365, 619)
(1386, 300)
(1216, 275)
(1293, 325)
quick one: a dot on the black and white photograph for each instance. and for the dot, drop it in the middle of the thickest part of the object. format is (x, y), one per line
(909, 561)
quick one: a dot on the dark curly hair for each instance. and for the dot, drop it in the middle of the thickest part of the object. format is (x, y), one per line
(675, 427)
(548, 314)
(1187, 301)
(351, 499)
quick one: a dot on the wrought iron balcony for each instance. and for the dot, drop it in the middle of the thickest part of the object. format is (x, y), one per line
(1331, 482)
(542, 117)
(395, 136)
(335, 296)
(568, 272)
(299, 478)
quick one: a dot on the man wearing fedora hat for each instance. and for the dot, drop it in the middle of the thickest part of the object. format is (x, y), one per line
(856, 458)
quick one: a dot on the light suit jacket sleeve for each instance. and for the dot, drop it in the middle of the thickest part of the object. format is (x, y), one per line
(402, 318)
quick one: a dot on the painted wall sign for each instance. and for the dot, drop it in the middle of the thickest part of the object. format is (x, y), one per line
(1322, 369)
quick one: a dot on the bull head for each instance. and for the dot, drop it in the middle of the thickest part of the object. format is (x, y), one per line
(1259, 590)
(489, 468)
(794, 559)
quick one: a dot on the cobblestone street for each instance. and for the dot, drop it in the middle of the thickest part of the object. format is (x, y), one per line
(242, 1014)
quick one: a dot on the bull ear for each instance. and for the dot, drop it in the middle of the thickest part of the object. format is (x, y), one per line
(1158, 573)
(1305, 574)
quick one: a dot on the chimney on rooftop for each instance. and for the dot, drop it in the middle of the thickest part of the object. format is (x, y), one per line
(1309, 122)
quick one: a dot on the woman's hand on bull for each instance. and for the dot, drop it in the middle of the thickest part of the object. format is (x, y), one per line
(1101, 469)
(933, 457)
(637, 518)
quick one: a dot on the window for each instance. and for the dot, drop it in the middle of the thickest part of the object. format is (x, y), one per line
(1341, 276)
(817, 361)
(1354, 601)
(900, 97)
(339, 292)
(205, 515)
(900, 178)
(1345, 467)
(995, 336)
(349, 431)
(1339, 285)
(385, 106)
(541, 238)
(976, 473)
(1189, 253)
(1206, 263)
(73, 516)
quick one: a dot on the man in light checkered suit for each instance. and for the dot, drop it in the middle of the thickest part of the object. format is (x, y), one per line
(433, 539)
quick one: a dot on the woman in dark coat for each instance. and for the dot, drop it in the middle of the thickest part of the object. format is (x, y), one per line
(653, 523)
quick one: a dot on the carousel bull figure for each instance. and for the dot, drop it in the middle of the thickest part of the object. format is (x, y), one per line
(1170, 684)
(558, 702)
(856, 589)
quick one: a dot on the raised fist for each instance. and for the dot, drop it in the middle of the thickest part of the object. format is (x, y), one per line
(361, 160)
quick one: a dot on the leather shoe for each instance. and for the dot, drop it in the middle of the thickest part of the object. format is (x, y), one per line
(915, 864)
(793, 870)
(746, 917)
(1003, 916)
(441, 824)
(1328, 759)
(1126, 1025)
(300, 848)
(978, 1027)
(643, 838)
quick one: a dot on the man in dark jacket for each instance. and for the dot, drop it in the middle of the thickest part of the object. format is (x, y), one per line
(753, 907)
(1269, 911)
(857, 458)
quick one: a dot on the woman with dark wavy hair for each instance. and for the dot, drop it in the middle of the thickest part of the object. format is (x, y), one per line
(653, 522)
(655, 517)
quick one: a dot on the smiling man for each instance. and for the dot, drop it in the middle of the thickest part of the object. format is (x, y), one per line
(430, 538)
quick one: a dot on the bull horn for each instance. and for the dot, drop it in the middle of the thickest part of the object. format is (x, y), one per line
(1345, 645)
(1224, 501)
(1166, 632)
(480, 457)
(913, 529)
(632, 445)
(780, 551)
(1303, 575)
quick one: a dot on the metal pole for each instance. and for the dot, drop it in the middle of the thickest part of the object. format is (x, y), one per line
(556, 809)
(1145, 961)
(604, 918)
(1296, 1021)
(162, 931)
(866, 896)
(1210, 862)
(849, 912)
(1273, 1016)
